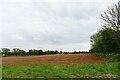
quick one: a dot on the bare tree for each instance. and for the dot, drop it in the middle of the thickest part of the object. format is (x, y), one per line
(111, 17)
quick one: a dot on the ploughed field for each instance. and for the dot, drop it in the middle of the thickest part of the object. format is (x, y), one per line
(57, 59)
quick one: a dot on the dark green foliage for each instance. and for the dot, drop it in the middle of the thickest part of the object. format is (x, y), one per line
(109, 57)
(5, 51)
(30, 52)
(105, 41)
(20, 52)
(16, 51)
(51, 52)
(40, 52)
(33, 52)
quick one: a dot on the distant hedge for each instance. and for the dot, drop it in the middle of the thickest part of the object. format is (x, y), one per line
(19, 52)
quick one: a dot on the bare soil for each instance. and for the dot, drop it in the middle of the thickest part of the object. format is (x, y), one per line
(57, 59)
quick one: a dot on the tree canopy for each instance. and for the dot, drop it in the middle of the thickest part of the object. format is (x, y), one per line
(107, 40)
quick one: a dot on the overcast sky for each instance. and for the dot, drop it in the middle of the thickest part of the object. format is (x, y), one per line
(50, 24)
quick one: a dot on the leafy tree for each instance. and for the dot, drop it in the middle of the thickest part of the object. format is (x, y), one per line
(47, 52)
(60, 52)
(16, 51)
(33, 52)
(30, 52)
(109, 41)
(55, 52)
(111, 19)
(95, 42)
(105, 41)
(40, 52)
(22, 52)
(5, 51)
(51, 52)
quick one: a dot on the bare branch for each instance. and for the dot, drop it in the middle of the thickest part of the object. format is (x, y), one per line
(111, 18)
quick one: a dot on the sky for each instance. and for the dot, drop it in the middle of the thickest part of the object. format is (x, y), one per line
(63, 25)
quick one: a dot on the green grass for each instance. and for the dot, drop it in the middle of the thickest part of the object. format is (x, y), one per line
(0, 55)
(107, 70)
(0, 72)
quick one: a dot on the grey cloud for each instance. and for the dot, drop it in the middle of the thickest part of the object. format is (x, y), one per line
(75, 10)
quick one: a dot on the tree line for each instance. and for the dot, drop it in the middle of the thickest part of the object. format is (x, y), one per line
(107, 40)
(21, 52)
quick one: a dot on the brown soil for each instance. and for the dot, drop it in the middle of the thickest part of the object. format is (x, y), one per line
(58, 59)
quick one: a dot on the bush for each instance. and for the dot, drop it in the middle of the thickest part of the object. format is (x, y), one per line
(114, 57)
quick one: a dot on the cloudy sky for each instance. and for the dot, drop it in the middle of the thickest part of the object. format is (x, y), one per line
(50, 24)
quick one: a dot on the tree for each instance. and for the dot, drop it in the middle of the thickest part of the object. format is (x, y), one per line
(95, 42)
(22, 52)
(109, 41)
(15, 51)
(40, 52)
(55, 52)
(105, 41)
(111, 19)
(5, 51)
(60, 52)
(30, 52)
(33, 52)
